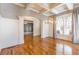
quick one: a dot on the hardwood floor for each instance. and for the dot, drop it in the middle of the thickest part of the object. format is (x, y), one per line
(38, 46)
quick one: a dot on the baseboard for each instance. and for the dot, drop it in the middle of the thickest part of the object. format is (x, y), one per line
(28, 33)
(36, 35)
(63, 39)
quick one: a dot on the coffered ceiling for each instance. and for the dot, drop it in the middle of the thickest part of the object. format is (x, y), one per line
(47, 9)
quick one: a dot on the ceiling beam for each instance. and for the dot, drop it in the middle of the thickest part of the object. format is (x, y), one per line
(20, 5)
(69, 5)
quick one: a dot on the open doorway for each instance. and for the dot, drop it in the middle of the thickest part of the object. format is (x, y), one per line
(26, 36)
(28, 31)
(28, 27)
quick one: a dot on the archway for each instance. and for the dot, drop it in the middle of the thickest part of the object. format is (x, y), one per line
(36, 27)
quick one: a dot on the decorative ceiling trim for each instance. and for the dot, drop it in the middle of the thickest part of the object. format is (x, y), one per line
(18, 4)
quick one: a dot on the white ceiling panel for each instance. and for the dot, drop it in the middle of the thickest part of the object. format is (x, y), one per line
(59, 9)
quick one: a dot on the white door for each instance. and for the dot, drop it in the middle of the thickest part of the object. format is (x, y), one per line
(9, 33)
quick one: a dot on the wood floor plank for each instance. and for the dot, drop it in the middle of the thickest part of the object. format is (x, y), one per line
(39, 46)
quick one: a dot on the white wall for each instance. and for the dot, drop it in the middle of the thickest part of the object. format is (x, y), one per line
(9, 32)
(50, 28)
(44, 29)
(36, 27)
(21, 30)
(11, 10)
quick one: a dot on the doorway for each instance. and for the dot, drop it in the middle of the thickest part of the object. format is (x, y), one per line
(35, 29)
(28, 31)
(28, 27)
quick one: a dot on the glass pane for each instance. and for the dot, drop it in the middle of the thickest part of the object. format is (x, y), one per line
(64, 26)
(59, 26)
(67, 25)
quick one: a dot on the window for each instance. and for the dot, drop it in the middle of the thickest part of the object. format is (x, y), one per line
(64, 25)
